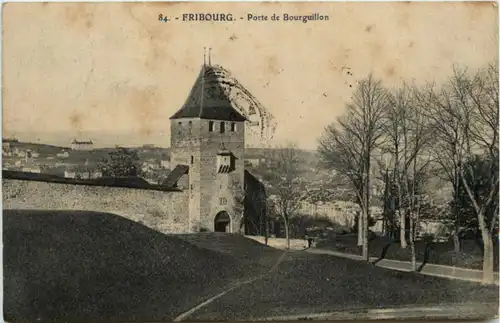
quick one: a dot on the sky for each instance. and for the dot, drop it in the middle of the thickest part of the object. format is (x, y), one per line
(113, 73)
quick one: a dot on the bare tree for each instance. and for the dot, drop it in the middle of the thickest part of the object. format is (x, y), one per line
(347, 146)
(287, 183)
(394, 145)
(479, 98)
(414, 200)
(443, 111)
(405, 156)
(340, 150)
(408, 136)
(465, 114)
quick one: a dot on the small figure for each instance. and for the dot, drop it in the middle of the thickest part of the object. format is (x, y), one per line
(309, 241)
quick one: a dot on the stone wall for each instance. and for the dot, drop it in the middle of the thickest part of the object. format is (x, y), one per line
(164, 211)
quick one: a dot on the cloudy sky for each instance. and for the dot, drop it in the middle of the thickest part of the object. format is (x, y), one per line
(115, 74)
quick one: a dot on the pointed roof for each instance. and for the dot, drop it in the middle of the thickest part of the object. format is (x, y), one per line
(208, 100)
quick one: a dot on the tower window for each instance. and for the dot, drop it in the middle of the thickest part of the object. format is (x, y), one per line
(190, 124)
(210, 126)
(192, 160)
(225, 163)
(233, 127)
(222, 127)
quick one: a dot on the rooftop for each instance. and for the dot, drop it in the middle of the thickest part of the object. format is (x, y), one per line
(208, 99)
(82, 142)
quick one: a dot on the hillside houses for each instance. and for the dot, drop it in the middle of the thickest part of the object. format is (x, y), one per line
(63, 154)
(82, 172)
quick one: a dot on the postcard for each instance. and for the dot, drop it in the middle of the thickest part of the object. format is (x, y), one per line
(249, 161)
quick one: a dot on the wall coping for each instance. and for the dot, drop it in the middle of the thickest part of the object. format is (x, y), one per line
(48, 178)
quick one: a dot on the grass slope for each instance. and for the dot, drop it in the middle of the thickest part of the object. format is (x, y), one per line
(247, 251)
(307, 283)
(84, 266)
(440, 253)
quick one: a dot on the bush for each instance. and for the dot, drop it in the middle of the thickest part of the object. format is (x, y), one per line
(203, 229)
(428, 237)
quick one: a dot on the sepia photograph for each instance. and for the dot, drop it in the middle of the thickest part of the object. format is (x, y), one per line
(250, 161)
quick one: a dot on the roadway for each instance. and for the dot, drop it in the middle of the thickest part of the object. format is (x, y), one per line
(428, 269)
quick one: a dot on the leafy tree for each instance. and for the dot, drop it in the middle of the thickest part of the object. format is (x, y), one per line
(120, 163)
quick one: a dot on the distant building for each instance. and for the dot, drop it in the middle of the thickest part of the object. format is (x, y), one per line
(82, 145)
(29, 166)
(19, 152)
(254, 162)
(9, 140)
(32, 169)
(165, 164)
(32, 154)
(82, 172)
(149, 166)
(63, 154)
(6, 151)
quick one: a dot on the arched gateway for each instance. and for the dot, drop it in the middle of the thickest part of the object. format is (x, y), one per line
(222, 222)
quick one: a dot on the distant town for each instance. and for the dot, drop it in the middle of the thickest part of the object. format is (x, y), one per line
(81, 160)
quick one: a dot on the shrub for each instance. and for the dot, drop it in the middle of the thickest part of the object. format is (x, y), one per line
(428, 237)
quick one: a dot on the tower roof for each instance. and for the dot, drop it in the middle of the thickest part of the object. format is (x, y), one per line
(208, 100)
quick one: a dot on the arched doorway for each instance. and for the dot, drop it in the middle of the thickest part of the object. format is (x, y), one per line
(222, 222)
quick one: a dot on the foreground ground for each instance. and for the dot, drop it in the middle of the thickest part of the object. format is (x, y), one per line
(83, 266)
(309, 283)
(441, 253)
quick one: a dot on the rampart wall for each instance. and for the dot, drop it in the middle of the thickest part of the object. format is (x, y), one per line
(165, 211)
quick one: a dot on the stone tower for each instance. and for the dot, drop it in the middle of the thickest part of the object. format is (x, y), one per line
(208, 135)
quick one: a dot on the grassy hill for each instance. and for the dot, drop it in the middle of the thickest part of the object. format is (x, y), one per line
(85, 266)
(243, 249)
(307, 283)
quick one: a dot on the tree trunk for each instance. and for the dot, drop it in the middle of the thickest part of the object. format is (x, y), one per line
(488, 276)
(286, 233)
(412, 246)
(385, 209)
(366, 255)
(456, 217)
(360, 229)
(266, 228)
(402, 218)
(366, 213)
(402, 230)
(456, 243)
